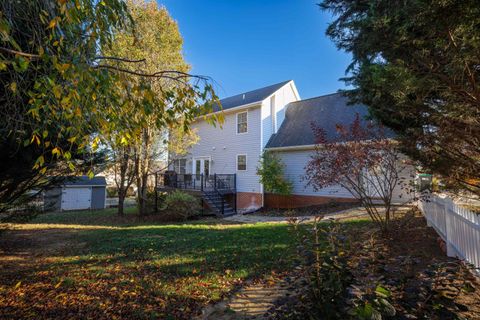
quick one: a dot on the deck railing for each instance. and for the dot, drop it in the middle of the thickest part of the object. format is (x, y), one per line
(223, 183)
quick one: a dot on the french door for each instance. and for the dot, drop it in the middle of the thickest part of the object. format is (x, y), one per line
(201, 165)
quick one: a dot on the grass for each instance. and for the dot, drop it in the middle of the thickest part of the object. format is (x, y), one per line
(93, 264)
(105, 217)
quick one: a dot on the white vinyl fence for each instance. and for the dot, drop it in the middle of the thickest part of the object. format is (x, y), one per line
(458, 227)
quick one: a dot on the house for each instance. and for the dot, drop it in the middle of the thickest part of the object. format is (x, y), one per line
(77, 193)
(273, 118)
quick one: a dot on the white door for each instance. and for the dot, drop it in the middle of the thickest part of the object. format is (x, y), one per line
(201, 171)
(201, 166)
(76, 198)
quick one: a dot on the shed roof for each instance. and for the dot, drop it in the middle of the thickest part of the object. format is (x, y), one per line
(85, 181)
(324, 111)
(249, 97)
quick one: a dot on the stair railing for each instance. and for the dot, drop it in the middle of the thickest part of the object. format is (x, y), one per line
(218, 192)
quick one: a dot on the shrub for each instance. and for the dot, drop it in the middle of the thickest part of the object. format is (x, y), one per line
(180, 206)
(112, 192)
(23, 214)
(375, 305)
(271, 172)
(322, 253)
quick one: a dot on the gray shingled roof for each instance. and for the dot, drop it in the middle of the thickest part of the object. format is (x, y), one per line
(249, 97)
(325, 111)
(85, 181)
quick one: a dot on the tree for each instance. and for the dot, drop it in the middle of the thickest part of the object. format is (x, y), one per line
(363, 161)
(158, 44)
(47, 78)
(271, 172)
(19, 184)
(59, 95)
(415, 64)
(124, 171)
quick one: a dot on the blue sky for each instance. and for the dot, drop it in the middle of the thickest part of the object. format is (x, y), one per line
(244, 45)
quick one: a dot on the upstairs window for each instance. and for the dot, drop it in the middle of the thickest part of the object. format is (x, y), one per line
(242, 122)
(180, 166)
(242, 162)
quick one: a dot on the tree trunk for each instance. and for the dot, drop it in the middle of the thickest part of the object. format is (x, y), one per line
(121, 202)
(144, 156)
(142, 195)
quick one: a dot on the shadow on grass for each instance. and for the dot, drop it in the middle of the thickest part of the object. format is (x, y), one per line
(145, 271)
(180, 250)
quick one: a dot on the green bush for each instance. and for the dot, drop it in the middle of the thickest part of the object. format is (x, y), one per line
(23, 214)
(180, 206)
(112, 192)
(322, 255)
(271, 172)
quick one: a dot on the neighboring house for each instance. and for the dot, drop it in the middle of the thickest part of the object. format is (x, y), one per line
(109, 174)
(273, 118)
(77, 193)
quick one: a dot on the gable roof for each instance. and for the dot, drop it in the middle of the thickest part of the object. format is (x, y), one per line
(85, 181)
(249, 97)
(325, 111)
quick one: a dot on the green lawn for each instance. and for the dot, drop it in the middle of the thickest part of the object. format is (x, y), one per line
(96, 265)
(134, 269)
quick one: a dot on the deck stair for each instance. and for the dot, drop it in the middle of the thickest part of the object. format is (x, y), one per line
(216, 201)
(215, 189)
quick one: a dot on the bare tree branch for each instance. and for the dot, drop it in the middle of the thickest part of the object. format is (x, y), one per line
(120, 59)
(20, 53)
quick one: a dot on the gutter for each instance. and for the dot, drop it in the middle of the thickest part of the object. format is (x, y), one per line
(312, 146)
(243, 106)
(81, 185)
(292, 148)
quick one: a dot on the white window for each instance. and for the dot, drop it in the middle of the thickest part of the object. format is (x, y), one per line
(242, 122)
(273, 114)
(242, 162)
(180, 166)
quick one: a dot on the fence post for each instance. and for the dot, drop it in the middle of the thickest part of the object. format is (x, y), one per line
(201, 182)
(156, 192)
(448, 210)
(424, 204)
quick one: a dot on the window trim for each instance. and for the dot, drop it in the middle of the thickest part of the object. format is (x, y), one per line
(246, 161)
(236, 122)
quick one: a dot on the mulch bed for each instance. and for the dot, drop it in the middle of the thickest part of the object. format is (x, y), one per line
(327, 208)
(422, 281)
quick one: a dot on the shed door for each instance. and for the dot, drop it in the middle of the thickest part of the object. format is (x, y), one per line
(76, 198)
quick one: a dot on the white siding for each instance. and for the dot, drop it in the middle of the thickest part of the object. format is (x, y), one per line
(223, 145)
(404, 190)
(283, 96)
(295, 163)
